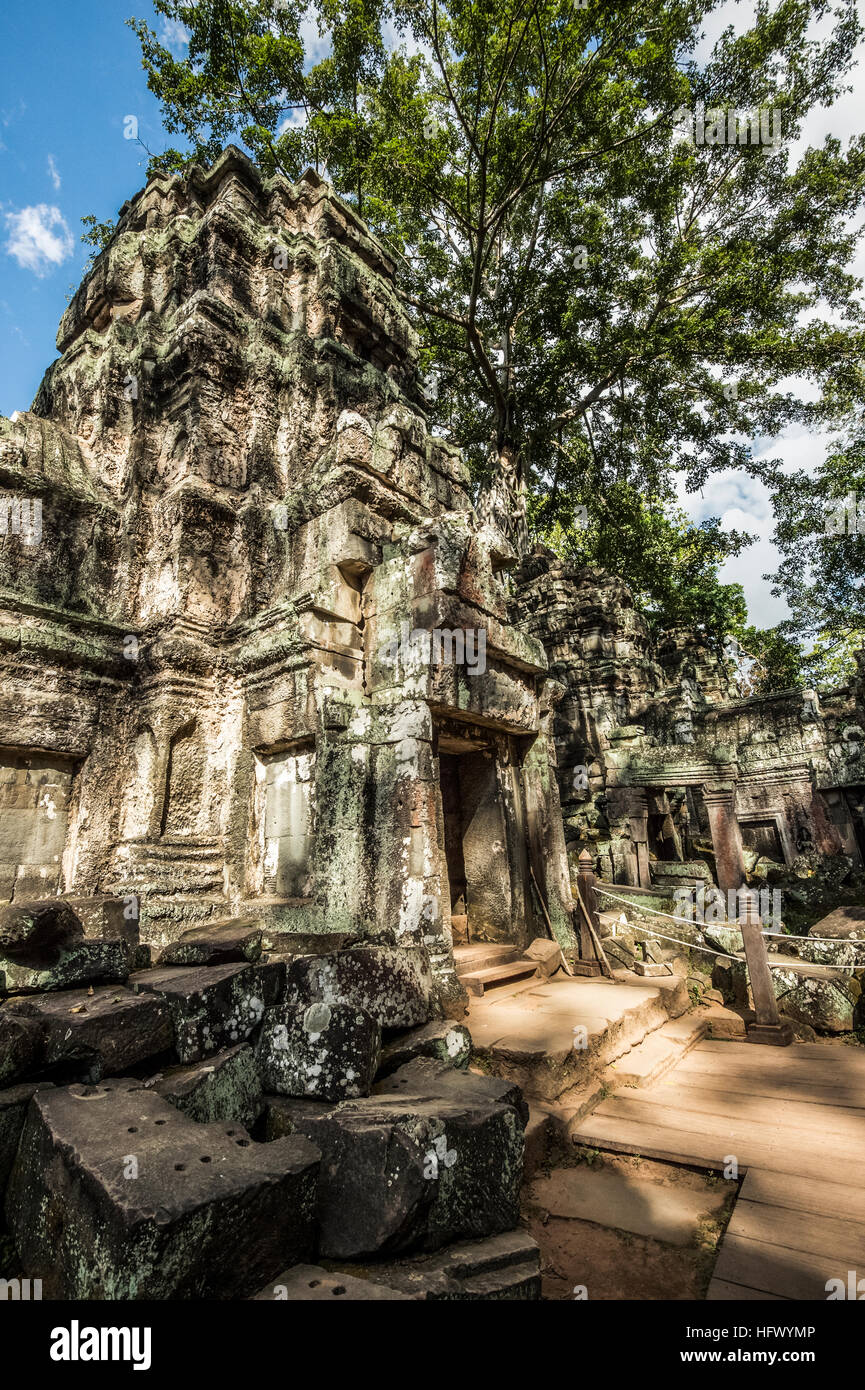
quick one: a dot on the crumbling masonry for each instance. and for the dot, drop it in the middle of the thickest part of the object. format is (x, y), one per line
(667, 775)
(211, 698)
(274, 706)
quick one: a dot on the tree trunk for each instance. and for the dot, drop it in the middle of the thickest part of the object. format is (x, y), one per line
(502, 503)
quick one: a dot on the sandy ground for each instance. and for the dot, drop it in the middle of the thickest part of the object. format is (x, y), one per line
(653, 1232)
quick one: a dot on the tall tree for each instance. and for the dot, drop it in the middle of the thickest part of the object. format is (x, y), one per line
(613, 277)
(821, 535)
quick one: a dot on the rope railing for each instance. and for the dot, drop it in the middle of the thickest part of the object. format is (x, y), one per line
(692, 946)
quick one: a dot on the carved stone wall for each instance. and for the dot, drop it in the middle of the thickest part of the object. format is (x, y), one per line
(663, 767)
(259, 599)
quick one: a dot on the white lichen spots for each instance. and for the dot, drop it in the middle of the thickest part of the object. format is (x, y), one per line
(46, 801)
(411, 906)
(316, 1020)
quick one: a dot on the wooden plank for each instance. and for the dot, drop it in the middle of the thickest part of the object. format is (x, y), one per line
(763, 1069)
(702, 1100)
(835, 1236)
(735, 1135)
(720, 1291)
(811, 1194)
(841, 1097)
(810, 1052)
(777, 1269)
(476, 981)
(684, 1146)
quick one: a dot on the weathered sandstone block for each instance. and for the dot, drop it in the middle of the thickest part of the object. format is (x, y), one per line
(391, 983)
(320, 1051)
(115, 1194)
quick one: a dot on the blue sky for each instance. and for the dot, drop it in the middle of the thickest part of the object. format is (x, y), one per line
(72, 74)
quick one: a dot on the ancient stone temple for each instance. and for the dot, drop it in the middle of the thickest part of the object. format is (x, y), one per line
(270, 742)
(258, 658)
(666, 772)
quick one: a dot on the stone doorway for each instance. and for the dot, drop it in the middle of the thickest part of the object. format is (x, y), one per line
(475, 837)
(35, 798)
(855, 800)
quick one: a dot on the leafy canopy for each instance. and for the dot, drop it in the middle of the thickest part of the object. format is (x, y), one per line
(603, 302)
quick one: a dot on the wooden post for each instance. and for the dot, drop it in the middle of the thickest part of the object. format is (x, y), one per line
(586, 890)
(767, 1027)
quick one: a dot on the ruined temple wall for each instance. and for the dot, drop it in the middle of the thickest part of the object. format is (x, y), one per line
(243, 507)
(658, 752)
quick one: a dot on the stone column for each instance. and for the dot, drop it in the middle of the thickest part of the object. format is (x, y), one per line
(638, 819)
(726, 836)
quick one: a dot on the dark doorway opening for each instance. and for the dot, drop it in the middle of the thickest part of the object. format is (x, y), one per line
(762, 836)
(449, 765)
(476, 838)
(855, 799)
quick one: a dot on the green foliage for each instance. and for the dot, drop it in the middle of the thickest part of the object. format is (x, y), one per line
(783, 662)
(671, 564)
(603, 305)
(777, 660)
(821, 535)
(97, 235)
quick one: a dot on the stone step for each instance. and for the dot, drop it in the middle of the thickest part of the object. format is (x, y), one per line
(559, 1035)
(482, 954)
(478, 981)
(658, 1053)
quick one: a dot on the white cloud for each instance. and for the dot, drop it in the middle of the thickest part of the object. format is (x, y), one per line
(53, 173)
(743, 503)
(174, 35)
(38, 238)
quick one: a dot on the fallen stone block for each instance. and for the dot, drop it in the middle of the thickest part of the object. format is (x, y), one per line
(21, 1047)
(444, 1041)
(651, 969)
(107, 917)
(216, 943)
(547, 955)
(223, 1088)
(104, 1033)
(13, 1109)
(414, 1170)
(212, 1006)
(322, 1051)
(392, 983)
(312, 1284)
(424, 1076)
(499, 1268)
(35, 932)
(83, 962)
(504, 1267)
(115, 1194)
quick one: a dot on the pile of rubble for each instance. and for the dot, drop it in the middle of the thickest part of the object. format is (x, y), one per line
(211, 1125)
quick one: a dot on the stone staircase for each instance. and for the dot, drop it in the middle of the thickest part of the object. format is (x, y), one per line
(568, 1041)
(489, 966)
(641, 1066)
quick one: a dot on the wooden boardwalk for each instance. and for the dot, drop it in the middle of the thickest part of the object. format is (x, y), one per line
(794, 1121)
